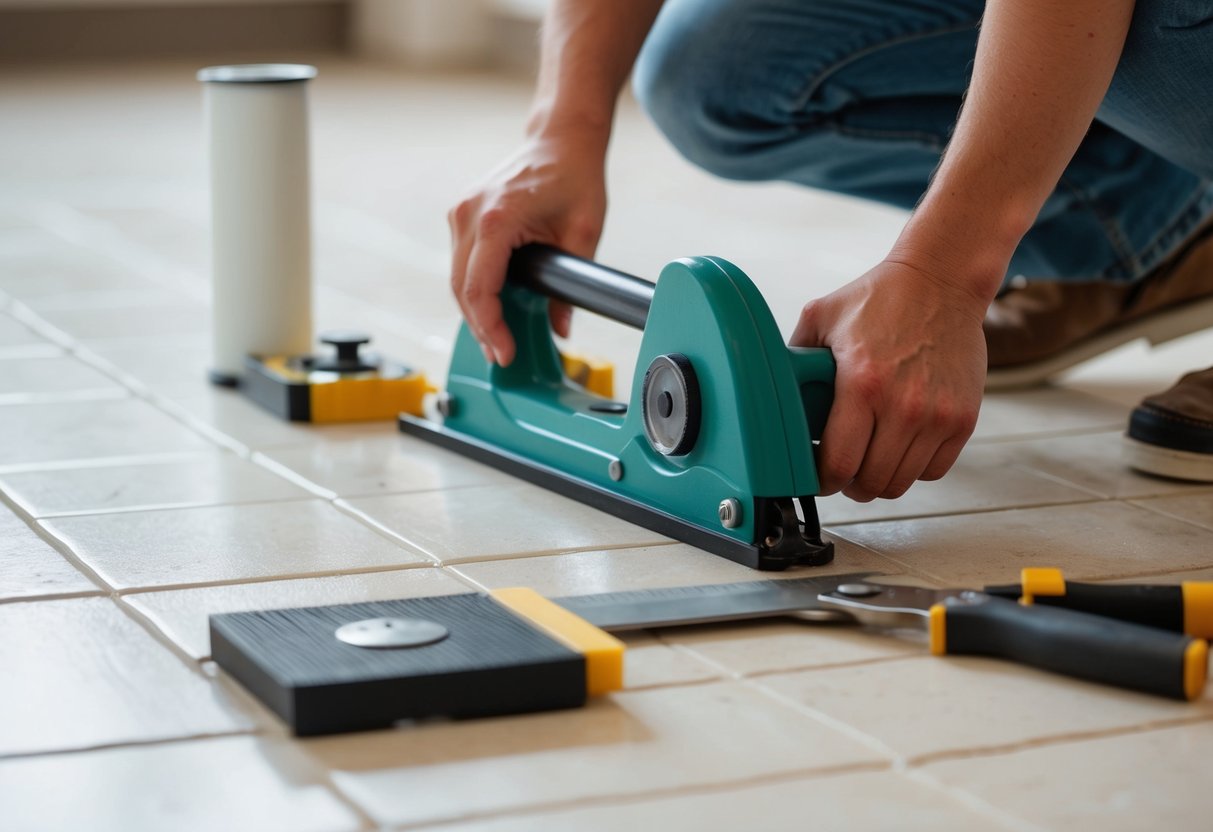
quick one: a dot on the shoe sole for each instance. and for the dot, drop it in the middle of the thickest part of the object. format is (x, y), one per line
(1168, 462)
(1157, 329)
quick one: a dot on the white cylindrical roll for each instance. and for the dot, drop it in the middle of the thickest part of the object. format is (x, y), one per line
(261, 270)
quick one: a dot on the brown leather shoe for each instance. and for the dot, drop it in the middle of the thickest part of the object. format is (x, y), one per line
(1171, 433)
(1035, 331)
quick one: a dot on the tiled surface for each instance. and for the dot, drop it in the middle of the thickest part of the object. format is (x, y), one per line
(639, 741)
(226, 543)
(467, 524)
(185, 500)
(866, 800)
(30, 567)
(235, 783)
(1096, 540)
(35, 433)
(206, 478)
(1111, 783)
(82, 674)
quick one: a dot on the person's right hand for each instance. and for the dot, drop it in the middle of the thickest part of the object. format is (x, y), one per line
(553, 190)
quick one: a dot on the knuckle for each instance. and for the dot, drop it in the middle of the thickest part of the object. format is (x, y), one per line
(459, 216)
(493, 221)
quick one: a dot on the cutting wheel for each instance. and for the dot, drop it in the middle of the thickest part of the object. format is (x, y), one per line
(671, 405)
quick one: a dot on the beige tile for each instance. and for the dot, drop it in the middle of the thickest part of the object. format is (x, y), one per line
(1049, 410)
(13, 333)
(232, 783)
(468, 524)
(207, 478)
(925, 706)
(1153, 780)
(169, 366)
(230, 413)
(844, 802)
(984, 478)
(26, 378)
(182, 614)
(622, 570)
(34, 433)
(1093, 540)
(1194, 508)
(751, 648)
(30, 567)
(385, 462)
(88, 324)
(57, 267)
(225, 543)
(1093, 462)
(83, 674)
(632, 742)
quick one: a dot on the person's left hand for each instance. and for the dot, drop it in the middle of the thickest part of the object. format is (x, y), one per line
(911, 361)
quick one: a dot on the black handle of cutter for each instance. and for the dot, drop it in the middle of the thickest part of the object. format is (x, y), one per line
(1072, 643)
(1154, 605)
(582, 283)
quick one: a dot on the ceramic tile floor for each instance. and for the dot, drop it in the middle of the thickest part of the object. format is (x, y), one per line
(140, 500)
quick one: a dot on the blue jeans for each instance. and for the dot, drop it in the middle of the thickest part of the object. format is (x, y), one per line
(859, 97)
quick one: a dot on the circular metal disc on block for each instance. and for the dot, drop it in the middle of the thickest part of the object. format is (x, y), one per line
(257, 73)
(391, 632)
(670, 400)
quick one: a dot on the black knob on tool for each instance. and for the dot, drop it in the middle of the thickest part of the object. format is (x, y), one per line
(348, 358)
(671, 405)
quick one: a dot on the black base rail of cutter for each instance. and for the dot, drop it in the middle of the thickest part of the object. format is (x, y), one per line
(795, 549)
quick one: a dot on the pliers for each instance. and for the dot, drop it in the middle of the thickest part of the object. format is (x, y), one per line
(1145, 637)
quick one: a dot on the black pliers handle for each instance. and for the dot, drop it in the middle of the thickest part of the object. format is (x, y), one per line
(1096, 636)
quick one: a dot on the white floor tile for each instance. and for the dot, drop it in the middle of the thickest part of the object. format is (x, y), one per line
(83, 674)
(30, 567)
(209, 478)
(226, 544)
(231, 783)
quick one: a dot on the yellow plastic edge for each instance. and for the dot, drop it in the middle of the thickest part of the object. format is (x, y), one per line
(1036, 580)
(1196, 668)
(603, 652)
(594, 374)
(938, 620)
(1198, 608)
(369, 399)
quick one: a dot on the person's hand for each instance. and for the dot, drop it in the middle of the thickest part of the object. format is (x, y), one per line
(911, 362)
(551, 191)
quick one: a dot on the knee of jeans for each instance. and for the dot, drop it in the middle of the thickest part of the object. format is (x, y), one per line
(699, 90)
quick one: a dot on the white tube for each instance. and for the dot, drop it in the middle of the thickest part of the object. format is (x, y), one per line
(260, 213)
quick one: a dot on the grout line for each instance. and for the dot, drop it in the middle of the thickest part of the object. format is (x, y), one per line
(945, 755)
(151, 509)
(1136, 502)
(265, 579)
(971, 801)
(926, 515)
(999, 439)
(110, 746)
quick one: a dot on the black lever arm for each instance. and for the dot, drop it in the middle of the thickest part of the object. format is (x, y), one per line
(582, 283)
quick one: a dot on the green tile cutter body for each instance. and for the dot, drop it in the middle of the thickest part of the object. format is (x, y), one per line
(714, 447)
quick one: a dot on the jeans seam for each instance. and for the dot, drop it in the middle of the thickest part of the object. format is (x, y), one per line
(819, 78)
(931, 140)
(1165, 235)
(1127, 262)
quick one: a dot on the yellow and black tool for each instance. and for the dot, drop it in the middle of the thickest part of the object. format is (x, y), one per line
(361, 666)
(347, 386)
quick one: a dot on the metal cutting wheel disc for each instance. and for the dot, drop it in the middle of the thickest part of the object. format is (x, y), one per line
(671, 404)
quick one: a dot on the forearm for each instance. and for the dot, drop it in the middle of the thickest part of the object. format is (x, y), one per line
(1041, 71)
(587, 51)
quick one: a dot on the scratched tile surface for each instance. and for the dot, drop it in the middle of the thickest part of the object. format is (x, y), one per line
(137, 500)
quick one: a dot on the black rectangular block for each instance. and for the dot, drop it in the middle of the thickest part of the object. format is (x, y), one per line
(492, 662)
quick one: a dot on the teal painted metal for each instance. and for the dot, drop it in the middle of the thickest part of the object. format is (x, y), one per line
(754, 439)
